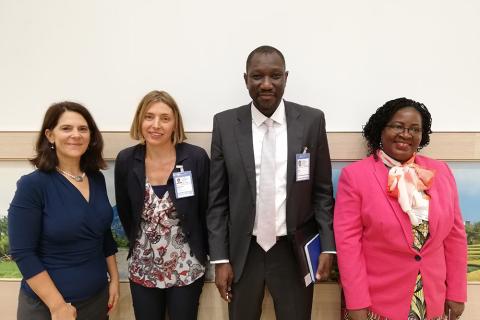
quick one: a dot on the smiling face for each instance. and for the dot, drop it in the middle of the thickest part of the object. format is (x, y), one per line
(158, 124)
(266, 79)
(401, 144)
(70, 136)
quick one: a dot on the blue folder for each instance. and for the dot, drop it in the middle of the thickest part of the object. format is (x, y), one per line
(312, 250)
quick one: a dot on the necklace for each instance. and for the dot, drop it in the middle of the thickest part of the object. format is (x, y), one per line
(78, 178)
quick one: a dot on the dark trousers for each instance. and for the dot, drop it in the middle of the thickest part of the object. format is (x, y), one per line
(94, 308)
(276, 269)
(181, 303)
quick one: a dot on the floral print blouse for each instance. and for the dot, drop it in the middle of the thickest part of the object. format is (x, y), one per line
(161, 256)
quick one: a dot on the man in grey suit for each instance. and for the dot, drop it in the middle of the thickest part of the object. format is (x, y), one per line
(269, 160)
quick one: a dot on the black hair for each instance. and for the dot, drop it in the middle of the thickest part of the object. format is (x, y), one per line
(264, 50)
(372, 131)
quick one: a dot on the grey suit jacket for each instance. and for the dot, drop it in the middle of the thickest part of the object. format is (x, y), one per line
(232, 194)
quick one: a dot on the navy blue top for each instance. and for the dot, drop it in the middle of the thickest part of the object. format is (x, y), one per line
(53, 227)
(160, 190)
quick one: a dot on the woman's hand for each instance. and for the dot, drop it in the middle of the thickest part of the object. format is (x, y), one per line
(64, 311)
(456, 308)
(46, 290)
(113, 295)
(114, 285)
(360, 314)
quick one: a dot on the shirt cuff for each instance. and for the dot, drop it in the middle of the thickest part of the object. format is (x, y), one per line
(220, 261)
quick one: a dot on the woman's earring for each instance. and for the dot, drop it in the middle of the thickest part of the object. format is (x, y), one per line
(52, 146)
(381, 145)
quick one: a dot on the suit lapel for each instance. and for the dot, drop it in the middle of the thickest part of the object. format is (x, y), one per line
(295, 137)
(181, 154)
(139, 166)
(243, 134)
(433, 209)
(433, 212)
(381, 174)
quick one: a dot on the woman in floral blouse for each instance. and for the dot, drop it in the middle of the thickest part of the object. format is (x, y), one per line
(161, 187)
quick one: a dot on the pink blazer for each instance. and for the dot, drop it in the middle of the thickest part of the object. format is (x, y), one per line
(378, 266)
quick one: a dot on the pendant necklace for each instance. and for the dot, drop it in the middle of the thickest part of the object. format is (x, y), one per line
(78, 178)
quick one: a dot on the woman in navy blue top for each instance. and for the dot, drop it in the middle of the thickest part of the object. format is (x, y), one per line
(161, 188)
(59, 223)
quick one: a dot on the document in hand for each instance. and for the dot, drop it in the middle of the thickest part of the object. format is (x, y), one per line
(312, 251)
(302, 237)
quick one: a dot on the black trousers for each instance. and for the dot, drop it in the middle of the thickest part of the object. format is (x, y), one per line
(181, 303)
(277, 269)
(94, 308)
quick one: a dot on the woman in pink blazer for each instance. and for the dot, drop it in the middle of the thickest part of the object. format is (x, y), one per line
(400, 236)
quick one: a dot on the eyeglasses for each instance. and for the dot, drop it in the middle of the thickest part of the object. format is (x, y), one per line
(398, 129)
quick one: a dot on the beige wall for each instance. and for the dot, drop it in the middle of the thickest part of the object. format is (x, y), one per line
(344, 146)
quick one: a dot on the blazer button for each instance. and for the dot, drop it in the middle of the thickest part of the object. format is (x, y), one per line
(418, 258)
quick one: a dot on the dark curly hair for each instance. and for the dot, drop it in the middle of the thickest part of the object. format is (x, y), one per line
(46, 158)
(372, 131)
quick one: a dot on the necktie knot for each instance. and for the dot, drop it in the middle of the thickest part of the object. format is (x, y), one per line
(268, 122)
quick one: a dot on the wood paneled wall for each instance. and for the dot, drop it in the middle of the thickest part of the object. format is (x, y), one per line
(344, 146)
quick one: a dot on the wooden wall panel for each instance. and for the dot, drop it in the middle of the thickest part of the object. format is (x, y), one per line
(344, 146)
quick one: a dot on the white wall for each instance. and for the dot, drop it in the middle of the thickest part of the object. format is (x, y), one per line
(347, 57)
(11, 171)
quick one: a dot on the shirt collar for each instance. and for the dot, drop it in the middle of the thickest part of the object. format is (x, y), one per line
(278, 116)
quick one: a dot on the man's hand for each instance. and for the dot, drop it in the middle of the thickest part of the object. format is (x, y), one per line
(223, 280)
(325, 261)
(360, 314)
(456, 309)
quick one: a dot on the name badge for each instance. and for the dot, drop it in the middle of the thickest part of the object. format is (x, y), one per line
(183, 183)
(303, 166)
